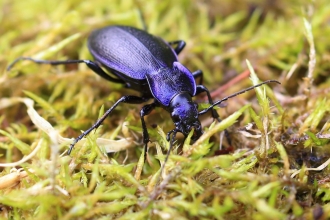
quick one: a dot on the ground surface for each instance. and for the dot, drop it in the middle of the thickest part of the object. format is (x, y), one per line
(277, 132)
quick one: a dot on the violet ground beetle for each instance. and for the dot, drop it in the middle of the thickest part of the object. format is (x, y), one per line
(149, 65)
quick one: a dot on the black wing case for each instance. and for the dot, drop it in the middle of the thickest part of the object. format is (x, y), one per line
(126, 53)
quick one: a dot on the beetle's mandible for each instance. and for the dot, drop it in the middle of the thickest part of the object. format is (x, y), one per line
(147, 64)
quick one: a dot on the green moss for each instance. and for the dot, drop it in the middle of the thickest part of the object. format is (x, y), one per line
(278, 133)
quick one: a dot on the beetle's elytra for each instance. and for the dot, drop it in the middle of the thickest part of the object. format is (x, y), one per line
(147, 64)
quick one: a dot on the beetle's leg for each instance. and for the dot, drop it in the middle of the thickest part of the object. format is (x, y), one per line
(126, 99)
(198, 74)
(92, 65)
(146, 111)
(200, 89)
(180, 45)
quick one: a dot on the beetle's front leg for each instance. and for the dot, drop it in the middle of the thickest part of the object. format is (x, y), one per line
(198, 74)
(146, 111)
(200, 89)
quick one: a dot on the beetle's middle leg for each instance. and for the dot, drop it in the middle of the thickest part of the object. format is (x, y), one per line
(126, 99)
(180, 44)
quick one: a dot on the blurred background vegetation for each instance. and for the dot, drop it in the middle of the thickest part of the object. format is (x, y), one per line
(263, 174)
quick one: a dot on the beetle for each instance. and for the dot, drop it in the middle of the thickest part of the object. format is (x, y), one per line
(149, 65)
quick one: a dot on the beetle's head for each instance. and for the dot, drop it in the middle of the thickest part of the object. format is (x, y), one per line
(184, 114)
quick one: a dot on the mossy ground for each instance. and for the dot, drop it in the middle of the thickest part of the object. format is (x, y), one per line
(277, 132)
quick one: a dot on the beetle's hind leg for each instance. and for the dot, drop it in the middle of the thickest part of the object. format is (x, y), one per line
(92, 65)
(126, 99)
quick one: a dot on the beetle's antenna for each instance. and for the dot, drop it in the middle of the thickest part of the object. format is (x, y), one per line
(15, 61)
(168, 137)
(236, 94)
(171, 146)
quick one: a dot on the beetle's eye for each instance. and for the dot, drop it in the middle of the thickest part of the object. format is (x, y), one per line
(175, 118)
